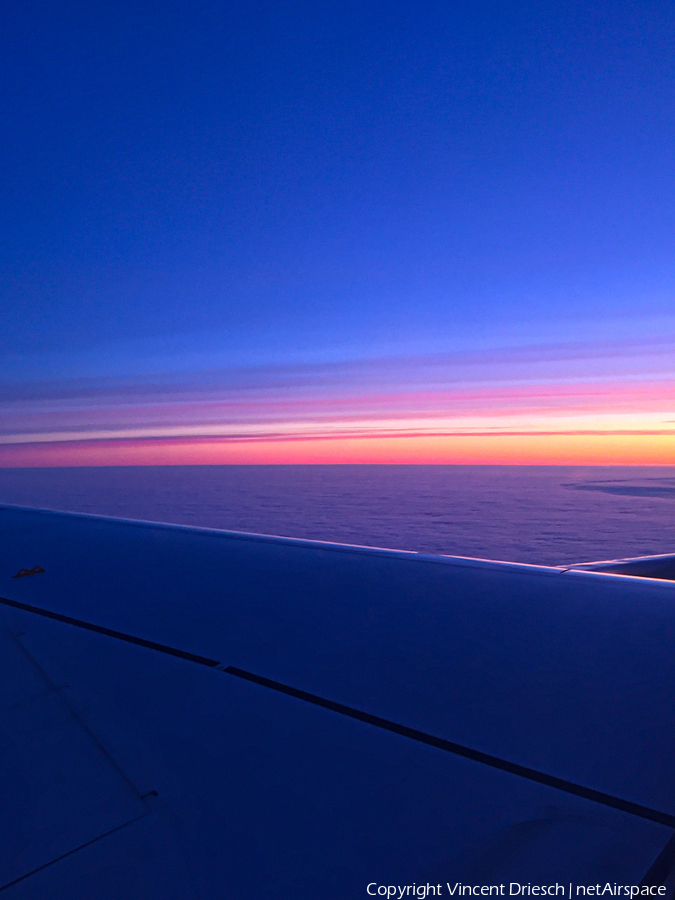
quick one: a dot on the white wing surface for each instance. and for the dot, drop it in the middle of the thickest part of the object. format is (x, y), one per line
(196, 713)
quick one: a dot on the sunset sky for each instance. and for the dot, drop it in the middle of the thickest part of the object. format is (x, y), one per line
(337, 232)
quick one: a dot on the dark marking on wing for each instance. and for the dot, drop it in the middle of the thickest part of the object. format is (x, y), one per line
(495, 762)
(23, 572)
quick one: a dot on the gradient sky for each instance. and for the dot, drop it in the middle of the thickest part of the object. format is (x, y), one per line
(334, 232)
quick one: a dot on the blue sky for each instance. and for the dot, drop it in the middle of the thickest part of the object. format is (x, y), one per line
(195, 188)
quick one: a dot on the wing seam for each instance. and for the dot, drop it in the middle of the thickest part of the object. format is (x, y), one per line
(52, 862)
(495, 762)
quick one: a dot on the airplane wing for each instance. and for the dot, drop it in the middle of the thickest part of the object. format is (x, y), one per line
(662, 566)
(197, 713)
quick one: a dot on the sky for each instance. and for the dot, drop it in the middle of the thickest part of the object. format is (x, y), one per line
(292, 232)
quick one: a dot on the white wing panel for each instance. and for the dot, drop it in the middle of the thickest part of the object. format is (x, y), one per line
(269, 794)
(568, 673)
(60, 789)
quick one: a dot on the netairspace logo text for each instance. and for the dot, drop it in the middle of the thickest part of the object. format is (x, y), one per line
(514, 889)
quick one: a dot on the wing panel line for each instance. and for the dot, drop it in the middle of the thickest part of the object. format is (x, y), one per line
(52, 862)
(119, 635)
(495, 762)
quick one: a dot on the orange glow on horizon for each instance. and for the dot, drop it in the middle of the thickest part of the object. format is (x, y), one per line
(473, 449)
